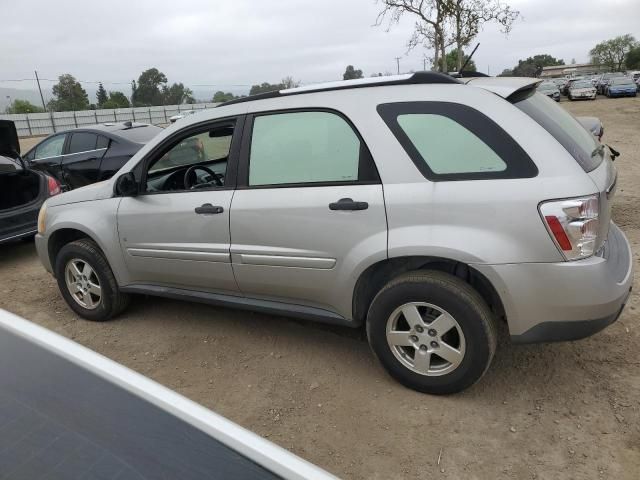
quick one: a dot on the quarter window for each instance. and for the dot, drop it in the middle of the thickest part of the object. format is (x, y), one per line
(303, 147)
(448, 147)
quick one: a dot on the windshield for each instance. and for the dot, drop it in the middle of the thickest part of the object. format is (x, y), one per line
(563, 126)
(622, 81)
(547, 86)
(582, 84)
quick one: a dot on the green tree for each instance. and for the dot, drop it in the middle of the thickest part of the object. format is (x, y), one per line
(221, 97)
(23, 106)
(351, 73)
(633, 58)
(452, 62)
(507, 72)
(68, 95)
(101, 95)
(265, 87)
(177, 94)
(532, 66)
(613, 52)
(116, 100)
(147, 91)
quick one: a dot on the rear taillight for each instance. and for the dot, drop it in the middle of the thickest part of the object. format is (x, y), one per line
(573, 224)
(53, 186)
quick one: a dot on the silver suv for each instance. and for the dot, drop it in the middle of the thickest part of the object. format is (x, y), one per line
(425, 207)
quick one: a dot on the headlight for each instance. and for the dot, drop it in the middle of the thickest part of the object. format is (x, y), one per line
(42, 218)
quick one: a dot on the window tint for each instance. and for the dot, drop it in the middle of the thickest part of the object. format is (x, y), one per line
(51, 147)
(579, 142)
(103, 142)
(447, 147)
(303, 147)
(82, 142)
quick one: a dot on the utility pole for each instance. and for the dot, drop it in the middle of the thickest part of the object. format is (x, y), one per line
(398, 62)
(424, 63)
(53, 124)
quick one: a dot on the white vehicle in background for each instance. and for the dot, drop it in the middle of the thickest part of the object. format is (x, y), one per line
(180, 115)
(582, 89)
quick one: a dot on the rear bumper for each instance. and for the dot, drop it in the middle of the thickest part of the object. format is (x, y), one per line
(548, 302)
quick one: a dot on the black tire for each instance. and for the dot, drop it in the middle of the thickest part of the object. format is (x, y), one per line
(112, 300)
(457, 298)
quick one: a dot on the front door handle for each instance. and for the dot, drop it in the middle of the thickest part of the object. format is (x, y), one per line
(348, 204)
(208, 209)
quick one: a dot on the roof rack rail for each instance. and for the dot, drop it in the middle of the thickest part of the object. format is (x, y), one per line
(408, 79)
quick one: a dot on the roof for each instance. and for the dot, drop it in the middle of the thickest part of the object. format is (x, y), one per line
(418, 78)
(503, 86)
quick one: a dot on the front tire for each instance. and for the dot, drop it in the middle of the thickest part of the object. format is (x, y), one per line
(87, 283)
(432, 332)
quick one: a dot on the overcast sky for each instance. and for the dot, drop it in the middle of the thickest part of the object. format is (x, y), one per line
(216, 44)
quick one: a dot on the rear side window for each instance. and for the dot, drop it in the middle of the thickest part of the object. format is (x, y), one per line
(447, 147)
(577, 140)
(450, 141)
(82, 142)
(304, 147)
(103, 142)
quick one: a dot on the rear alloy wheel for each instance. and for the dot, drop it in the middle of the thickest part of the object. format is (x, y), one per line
(432, 332)
(87, 283)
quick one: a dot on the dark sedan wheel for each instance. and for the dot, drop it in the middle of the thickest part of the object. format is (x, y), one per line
(87, 283)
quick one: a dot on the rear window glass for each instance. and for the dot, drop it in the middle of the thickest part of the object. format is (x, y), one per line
(139, 134)
(563, 126)
(622, 81)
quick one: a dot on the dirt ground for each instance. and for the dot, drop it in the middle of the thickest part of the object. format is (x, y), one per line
(569, 410)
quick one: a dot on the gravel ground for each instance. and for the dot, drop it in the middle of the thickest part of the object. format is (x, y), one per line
(566, 410)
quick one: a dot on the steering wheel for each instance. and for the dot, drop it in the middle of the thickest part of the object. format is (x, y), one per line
(188, 174)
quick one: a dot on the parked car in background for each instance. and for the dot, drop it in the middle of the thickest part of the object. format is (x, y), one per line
(569, 83)
(69, 413)
(181, 115)
(22, 190)
(87, 155)
(582, 90)
(594, 125)
(496, 207)
(560, 83)
(604, 80)
(622, 87)
(550, 89)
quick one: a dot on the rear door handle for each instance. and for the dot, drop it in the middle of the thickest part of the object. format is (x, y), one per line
(208, 209)
(348, 204)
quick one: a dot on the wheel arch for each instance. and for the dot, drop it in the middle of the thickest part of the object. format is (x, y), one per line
(374, 277)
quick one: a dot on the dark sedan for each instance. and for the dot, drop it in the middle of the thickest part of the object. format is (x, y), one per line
(87, 155)
(22, 190)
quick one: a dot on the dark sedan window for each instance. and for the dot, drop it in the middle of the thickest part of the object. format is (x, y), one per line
(82, 142)
(103, 142)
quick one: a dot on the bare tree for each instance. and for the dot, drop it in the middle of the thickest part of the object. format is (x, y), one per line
(468, 17)
(429, 29)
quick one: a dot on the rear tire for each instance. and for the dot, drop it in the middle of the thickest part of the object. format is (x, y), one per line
(87, 283)
(452, 320)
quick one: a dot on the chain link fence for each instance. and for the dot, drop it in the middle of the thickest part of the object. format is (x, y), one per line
(30, 124)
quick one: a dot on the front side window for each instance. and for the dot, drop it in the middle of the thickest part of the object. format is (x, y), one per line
(303, 147)
(450, 141)
(195, 162)
(51, 147)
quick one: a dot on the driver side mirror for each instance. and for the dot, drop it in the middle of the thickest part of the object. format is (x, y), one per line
(126, 185)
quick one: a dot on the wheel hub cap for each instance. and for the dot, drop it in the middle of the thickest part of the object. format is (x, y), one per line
(83, 283)
(425, 338)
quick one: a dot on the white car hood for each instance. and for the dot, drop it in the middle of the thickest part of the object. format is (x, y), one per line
(95, 191)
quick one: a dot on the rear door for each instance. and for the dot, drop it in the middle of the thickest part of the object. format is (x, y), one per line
(81, 162)
(47, 156)
(308, 208)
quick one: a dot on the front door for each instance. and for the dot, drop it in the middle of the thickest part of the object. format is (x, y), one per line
(308, 210)
(176, 231)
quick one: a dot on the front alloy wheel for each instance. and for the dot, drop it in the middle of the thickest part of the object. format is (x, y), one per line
(83, 283)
